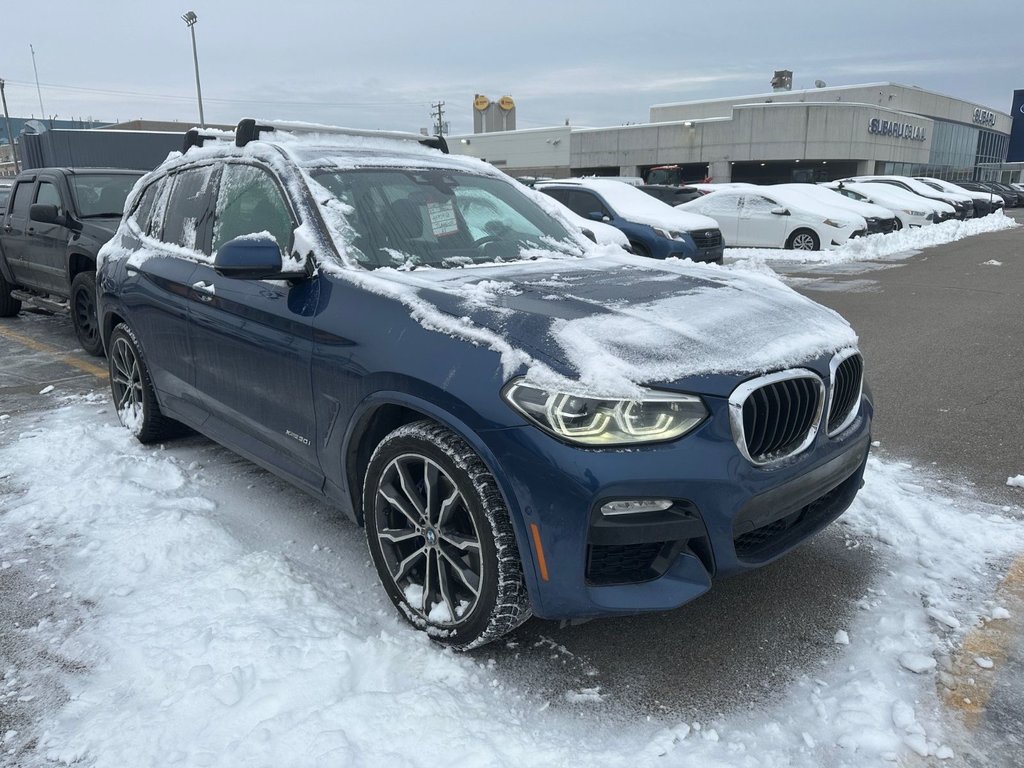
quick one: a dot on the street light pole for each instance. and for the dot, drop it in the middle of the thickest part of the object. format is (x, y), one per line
(190, 20)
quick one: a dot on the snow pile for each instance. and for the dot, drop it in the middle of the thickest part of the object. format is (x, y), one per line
(1017, 481)
(883, 245)
(223, 624)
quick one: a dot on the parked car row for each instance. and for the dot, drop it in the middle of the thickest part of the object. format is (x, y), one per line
(804, 216)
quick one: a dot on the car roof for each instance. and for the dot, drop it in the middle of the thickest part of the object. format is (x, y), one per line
(319, 146)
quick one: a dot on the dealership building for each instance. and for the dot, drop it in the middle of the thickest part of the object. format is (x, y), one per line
(816, 134)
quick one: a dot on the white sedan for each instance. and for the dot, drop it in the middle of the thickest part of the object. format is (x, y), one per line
(911, 210)
(754, 217)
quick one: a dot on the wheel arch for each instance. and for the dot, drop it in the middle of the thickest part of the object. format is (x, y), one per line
(383, 412)
(78, 262)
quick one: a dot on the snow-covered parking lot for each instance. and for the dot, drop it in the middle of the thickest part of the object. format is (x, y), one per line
(191, 610)
(178, 606)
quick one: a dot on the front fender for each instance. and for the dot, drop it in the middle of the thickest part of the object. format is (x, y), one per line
(431, 410)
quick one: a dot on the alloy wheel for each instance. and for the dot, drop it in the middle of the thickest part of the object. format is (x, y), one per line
(126, 382)
(429, 540)
(804, 242)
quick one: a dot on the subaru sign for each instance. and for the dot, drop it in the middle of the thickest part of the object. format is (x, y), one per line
(896, 130)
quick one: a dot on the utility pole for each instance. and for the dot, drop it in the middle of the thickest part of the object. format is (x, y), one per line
(7, 120)
(438, 115)
(39, 93)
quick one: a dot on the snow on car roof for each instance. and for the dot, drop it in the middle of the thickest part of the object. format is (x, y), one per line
(637, 206)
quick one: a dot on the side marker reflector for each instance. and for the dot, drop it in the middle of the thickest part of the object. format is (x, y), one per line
(540, 551)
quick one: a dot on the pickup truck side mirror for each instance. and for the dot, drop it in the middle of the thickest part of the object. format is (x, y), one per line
(47, 214)
(252, 257)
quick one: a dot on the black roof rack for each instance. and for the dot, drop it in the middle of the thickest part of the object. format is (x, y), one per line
(193, 138)
(249, 130)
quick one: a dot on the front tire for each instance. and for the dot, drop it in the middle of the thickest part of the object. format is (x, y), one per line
(9, 306)
(83, 313)
(132, 390)
(441, 539)
(639, 249)
(803, 240)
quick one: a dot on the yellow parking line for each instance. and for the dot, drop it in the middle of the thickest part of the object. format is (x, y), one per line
(38, 346)
(971, 684)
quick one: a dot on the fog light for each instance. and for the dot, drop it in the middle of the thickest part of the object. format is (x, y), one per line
(634, 506)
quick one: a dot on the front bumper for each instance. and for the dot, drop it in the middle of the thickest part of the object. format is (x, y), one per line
(728, 516)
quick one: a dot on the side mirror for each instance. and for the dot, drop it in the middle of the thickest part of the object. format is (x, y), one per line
(597, 216)
(780, 211)
(249, 257)
(47, 214)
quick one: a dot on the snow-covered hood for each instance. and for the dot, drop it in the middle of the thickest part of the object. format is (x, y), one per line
(613, 324)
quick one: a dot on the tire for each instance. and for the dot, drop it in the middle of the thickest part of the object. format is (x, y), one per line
(898, 225)
(9, 306)
(803, 240)
(83, 313)
(441, 539)
(639, 249)
(132, 390)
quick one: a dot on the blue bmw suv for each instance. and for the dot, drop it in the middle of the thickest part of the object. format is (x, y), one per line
(524, 422)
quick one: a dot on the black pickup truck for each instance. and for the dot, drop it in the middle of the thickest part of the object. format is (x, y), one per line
(56, 220)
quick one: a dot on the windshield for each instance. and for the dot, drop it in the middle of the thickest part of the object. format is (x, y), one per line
(439, 218)
(102, 194)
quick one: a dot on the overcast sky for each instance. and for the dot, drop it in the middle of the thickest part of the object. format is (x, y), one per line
(381, 64)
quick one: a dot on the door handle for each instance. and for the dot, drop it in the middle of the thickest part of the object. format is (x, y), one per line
(206, 290)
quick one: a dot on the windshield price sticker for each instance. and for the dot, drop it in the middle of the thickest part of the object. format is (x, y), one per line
(442, 218)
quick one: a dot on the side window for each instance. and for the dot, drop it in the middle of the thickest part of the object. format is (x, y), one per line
(22, 199)
(145, 205)
(561, 195)
(188, 209)
(758, 205)
(250, 202)
(49, 195)
(586, 203)
(155, 226)
(723, 205)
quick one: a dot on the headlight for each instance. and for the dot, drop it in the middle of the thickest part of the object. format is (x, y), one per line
(600, 422)
(669, 235)
(913, 213)
(837, 224)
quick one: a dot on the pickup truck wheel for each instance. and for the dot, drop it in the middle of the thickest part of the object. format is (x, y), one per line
(132, 390)
(83, 312)
(440, 537)
(9, 306)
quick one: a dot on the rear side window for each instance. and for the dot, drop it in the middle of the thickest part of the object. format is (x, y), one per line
(188, 209)
(145, 205)
(155, 226)
(249, 202)
(722, 204)
(22, 199)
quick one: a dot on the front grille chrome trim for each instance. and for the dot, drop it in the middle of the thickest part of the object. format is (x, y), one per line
(833, 367)
(739, 397)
